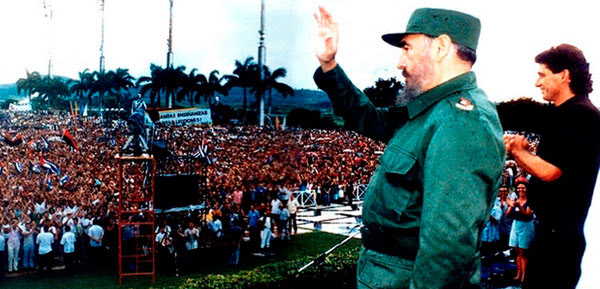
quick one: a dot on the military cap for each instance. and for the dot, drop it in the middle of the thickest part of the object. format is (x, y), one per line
(462, 28)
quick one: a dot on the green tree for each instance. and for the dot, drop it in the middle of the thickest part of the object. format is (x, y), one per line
(192, 86)
(52, 89)
(270, 82)
(385, 92)
(83, 86)
(29, 83)
(162, 80)
(213, 86)
(244, 76)
(121, 81)
(151, 84)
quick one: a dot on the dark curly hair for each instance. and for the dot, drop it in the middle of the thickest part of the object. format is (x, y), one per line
(566, 56)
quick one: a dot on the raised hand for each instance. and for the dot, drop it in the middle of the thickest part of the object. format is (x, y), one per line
(328, 39)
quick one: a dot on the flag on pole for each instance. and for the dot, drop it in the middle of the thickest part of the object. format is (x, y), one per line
(13, 141)
(63, 180)
(48, 165)
(18, 166)
(69, 139)
(49, 186)
(45, 144)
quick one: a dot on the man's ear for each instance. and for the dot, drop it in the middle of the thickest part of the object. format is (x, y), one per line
(443, 46)
(565, 76)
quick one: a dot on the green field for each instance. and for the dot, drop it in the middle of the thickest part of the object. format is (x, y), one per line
(310, 244)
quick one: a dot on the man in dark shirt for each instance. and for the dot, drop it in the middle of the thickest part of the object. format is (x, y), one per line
(564, 170)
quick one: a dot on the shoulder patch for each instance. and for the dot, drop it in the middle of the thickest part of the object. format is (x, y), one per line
(464, 104)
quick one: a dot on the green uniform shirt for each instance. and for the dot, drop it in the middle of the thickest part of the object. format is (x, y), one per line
(437, 179)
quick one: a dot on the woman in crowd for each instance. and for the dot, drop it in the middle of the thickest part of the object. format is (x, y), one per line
(522, 231)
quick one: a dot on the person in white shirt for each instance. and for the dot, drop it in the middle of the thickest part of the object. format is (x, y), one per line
(2, 254)
(266, 233)
(275, 211)
(68, 241)
(13, 245)
(28, 246)
(96, 233)
(45, 240)
(293, 207)
(191, 235)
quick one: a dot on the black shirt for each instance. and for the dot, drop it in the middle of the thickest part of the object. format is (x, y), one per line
(570, 140)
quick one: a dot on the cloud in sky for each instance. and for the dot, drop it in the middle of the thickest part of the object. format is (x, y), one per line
(212, 34)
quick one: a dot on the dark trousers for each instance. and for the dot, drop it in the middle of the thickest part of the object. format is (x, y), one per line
(3, 261)
(254, 238)
(555, 259)
(292, 224)
(46, 261)
(68, 260)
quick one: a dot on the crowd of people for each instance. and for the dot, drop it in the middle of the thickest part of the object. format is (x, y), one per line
(509, 231)
(60, 195)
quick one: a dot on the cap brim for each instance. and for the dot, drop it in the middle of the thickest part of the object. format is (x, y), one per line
(394, 38)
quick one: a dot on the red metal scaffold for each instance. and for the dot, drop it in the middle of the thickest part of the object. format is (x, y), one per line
(136, 216)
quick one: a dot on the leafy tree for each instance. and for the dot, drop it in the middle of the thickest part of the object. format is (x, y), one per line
(162, 80)
(151, 84)
(213, 86)
(245, 75)
(121, 80)
(385, 92)
(52, 89)
(82, 87)
(192, 86)
(270, 82)
(29, 83)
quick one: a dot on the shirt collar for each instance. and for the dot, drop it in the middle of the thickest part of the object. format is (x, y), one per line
(425, 100)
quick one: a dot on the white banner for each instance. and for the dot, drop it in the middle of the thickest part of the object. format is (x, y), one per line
(179, 117)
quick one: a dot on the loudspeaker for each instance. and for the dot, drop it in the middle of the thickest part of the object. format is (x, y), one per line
(172, 191)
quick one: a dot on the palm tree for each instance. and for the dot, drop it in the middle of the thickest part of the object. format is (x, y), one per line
(51, 89)
(192, 86)
(269, 83)
(29, 83)
(214, 85)
(151, 84)
(245, 76)
(121, 80)
(167, 80)
(172, 82)
(102, 84)
(82, 87)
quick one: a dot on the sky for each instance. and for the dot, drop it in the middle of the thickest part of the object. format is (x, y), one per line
(211, 35)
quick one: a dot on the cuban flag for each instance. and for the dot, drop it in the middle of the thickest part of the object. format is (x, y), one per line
(48, 165)
(49, 186)
(63, 180)
(45, 144)
(18, 167)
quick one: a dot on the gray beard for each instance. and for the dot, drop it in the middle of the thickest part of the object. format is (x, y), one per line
(407, 95)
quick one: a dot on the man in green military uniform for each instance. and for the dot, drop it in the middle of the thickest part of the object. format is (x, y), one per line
(438, 177)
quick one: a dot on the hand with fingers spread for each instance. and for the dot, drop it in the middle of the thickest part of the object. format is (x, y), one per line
(328, 39)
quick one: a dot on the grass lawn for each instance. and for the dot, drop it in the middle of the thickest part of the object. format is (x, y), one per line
(310, 244)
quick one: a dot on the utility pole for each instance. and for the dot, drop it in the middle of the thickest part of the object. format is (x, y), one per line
(102, 63)
(48, 15)
(261, 62)
(170, 40)
(170, 50)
